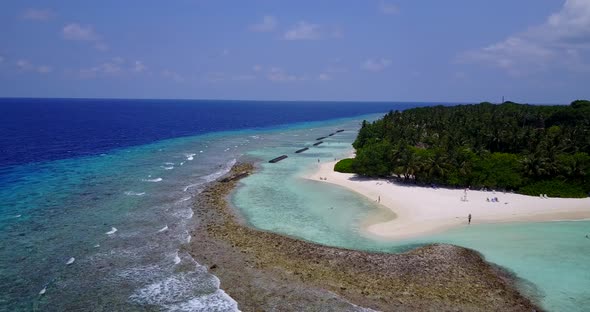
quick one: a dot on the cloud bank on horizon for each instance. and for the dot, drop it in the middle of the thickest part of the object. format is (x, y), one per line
(535, 51)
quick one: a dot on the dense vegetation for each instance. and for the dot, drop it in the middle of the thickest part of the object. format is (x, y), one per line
(526, 148)
(344, 165)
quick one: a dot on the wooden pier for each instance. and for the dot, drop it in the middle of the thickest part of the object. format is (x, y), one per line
(318, 143)
(301, 150)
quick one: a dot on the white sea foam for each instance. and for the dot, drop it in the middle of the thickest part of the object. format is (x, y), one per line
(17, 216)
(163, 229)
(200, 151)
(186, 213)
(112, 231)
(213, 176)
(194, 291)
(176, 258)
(571, 220)
(184, 199)
(169, 163)
(190, 156)
(130, 193)
(43, 291)
(216, 175)
(97, 245)
(152, 180)
(140, 273)
(191, 186)
(168, 168)
(217, 301)
(71, 260)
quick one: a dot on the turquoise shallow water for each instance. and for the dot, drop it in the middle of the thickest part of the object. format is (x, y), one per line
(55, 210)
(551, 260)
(123, 216)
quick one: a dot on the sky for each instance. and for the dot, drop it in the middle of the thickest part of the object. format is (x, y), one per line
(530, 51)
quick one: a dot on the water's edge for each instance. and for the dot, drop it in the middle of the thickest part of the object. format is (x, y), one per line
(280, 272)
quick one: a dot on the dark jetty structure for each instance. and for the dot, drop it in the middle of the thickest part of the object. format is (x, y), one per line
(275, 160)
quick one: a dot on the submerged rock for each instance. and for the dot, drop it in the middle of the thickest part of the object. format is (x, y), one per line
(267, 271)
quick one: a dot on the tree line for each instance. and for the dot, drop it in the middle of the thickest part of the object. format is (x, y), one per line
(530, 149)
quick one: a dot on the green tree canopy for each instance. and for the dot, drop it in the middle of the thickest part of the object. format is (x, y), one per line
(507, 146)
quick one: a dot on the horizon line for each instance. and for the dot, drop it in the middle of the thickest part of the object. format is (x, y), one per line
(257, 100)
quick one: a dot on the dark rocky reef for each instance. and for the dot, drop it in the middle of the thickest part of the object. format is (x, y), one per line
(265, 271)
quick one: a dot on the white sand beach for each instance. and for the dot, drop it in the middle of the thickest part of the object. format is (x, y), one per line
(424, 210)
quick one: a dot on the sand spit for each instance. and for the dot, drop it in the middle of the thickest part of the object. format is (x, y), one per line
(264, 271)
(426, 210)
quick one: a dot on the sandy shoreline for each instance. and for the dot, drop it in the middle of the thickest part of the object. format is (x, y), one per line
(422, 210)
(264, 271)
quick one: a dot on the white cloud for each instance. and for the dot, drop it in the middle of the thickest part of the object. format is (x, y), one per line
(257, 68)
(106, 68)
(563, 41)
(116, 66)
(215, 77)
(376, 65)
(101, 46)
(303, 31)
(268, 24)
(44, 69)
(139, 67)
(38, 14)
(25, 65)
(243, 77)
(324, 77)
(75, 31)
(278, 74)
(388, 8)
(172, 75)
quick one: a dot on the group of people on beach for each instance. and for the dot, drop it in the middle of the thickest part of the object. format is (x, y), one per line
(493, 200)
(323, 178)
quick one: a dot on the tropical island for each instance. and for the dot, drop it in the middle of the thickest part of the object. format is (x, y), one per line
(436, 168)
(529, 149)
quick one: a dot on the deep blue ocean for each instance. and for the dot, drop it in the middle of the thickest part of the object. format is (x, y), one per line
(96, 195)
(96, 201)
(34, 130)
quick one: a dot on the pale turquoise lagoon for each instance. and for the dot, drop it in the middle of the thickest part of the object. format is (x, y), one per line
(55, 210)
(551, 259)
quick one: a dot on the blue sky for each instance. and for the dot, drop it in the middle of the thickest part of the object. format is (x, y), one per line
(535, 51)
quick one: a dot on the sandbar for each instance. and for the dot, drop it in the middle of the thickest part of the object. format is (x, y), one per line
(426, 210)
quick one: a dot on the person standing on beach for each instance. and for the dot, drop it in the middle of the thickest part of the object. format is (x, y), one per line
(379, 198)
(469, 219)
